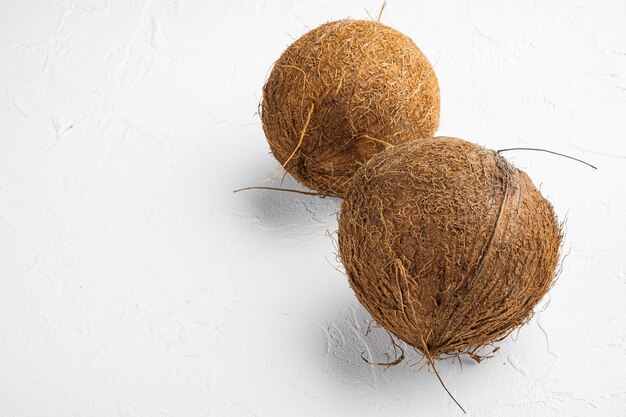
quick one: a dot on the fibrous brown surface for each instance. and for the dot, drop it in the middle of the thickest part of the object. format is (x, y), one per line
(340, 94)
(446, 244)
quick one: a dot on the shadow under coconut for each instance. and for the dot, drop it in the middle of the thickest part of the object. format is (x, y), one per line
(352, 338)
(275, 209)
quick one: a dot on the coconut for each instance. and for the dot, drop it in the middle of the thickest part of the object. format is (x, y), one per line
(446, 244)
(342, 93)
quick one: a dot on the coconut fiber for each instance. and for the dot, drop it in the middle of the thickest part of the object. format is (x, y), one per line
(446, 244)
(340, 94)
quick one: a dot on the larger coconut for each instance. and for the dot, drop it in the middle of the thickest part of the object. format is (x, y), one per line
(447, 244)
(339, 94)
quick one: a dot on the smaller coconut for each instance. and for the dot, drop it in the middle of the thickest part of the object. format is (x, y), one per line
(340, 94)
(446, 244)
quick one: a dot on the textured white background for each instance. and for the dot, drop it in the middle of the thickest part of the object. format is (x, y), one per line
(134, 282)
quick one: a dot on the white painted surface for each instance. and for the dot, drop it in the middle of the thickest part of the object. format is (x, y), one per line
(135, 283)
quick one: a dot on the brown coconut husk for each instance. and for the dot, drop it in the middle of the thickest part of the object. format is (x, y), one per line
(342, 93)
(447, 245)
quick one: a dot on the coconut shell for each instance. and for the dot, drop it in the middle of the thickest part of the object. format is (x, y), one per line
(446, 244)
(342, 93)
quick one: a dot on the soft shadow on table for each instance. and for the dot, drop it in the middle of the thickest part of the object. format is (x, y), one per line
(352, 336)
(278, 209)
